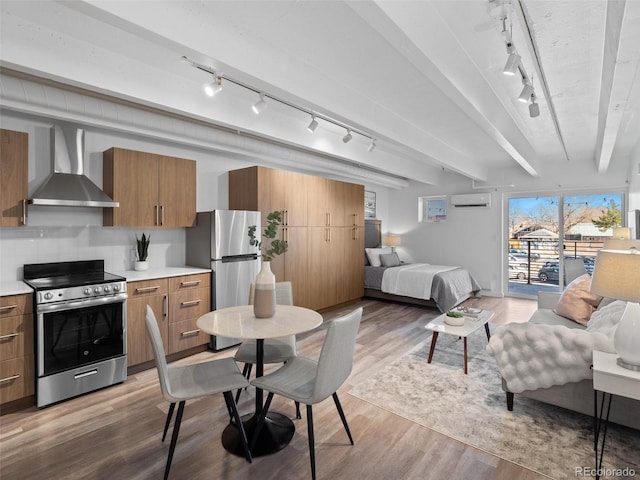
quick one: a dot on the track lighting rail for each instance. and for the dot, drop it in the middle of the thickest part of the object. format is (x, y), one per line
(219, 77)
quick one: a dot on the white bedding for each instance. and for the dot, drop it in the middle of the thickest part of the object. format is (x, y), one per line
(412, 280)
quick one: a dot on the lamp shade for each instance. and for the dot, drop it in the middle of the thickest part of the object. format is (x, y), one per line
(621, 244)
(617, 275)
(393, 240)
(623, 233)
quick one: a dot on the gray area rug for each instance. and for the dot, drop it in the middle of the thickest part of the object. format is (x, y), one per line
(472, 409)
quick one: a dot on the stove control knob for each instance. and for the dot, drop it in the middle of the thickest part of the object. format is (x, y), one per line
(87, 291)
(116, 287)
(107, 289)
(48, 296)
(96, 290)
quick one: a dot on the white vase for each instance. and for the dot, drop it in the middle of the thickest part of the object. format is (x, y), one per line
(264, 300)
(138, 265)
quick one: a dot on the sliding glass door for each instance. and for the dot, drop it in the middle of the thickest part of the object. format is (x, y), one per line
(546, 231)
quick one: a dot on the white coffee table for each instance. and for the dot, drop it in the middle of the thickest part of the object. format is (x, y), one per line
(471, 324)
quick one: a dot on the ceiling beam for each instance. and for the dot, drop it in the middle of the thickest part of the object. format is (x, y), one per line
(619, 67)
(440, 56)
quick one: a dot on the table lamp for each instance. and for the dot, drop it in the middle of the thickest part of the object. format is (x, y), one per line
(617, 275)
(393, 240)
(623, 233)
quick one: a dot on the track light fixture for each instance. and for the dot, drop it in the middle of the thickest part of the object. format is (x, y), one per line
(527, 92)
(513, 61)
(260, 106)
(313, 125)
(212, 88)
(534, 109)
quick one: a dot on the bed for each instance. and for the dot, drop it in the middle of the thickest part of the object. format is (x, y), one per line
(439, 286)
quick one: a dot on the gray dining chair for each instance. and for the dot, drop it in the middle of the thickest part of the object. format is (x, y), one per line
(276, 350)
(181, 383)
(573, 268)
(309, 382)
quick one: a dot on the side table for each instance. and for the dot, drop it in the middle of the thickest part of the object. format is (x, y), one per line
(610, 379)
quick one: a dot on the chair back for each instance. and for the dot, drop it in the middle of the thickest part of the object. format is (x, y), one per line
(573, 268)
(284, 293)
(336, 357)
(158, 352)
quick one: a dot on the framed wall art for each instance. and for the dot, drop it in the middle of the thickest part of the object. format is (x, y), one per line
(369, 204)
(432, 209)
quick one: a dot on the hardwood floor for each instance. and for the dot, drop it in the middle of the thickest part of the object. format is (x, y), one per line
(116, 432)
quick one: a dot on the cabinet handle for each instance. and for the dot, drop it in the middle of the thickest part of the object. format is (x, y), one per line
(161, 214)
(286, 217)
(190, 303)
(24, 211)
(165, 306)
(155, 214)
(8, 307)
(190, 333)
(191, 283)
(10, 335)
(8, 379)
(147, 289)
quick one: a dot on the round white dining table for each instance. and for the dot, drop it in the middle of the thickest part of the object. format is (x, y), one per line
(240, 322)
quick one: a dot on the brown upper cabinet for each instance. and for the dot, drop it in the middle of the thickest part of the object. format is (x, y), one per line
(153, 190)
(14, 175)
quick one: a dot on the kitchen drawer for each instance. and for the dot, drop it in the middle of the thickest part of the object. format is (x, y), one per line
(188, 304)
(186, 282)
(16, 378)
(184, 335)
(16, 336)
(145, 288)
(16, 305)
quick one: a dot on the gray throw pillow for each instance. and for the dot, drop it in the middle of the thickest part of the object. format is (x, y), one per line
(390, 259)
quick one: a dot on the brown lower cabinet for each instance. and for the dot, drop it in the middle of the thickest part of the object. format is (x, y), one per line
(17, 363)
(177, 302)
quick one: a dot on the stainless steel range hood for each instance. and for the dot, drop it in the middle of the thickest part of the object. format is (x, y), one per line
(67, 186)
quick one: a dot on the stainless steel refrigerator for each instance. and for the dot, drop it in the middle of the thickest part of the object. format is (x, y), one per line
(220, 241)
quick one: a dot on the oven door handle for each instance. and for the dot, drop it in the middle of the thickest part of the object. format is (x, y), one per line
(89, 302)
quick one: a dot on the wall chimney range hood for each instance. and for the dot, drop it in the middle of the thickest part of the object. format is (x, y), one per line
(67, 186)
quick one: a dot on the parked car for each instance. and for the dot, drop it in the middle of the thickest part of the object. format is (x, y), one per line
(516, 271)
(549, 273)
(517, 261)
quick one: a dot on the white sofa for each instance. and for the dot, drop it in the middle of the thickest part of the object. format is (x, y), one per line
(549, 358)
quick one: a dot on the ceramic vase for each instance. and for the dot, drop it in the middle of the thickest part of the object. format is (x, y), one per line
(138, 265)
(264, 300)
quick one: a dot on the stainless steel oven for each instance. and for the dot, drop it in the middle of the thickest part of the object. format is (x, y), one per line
(81, 324)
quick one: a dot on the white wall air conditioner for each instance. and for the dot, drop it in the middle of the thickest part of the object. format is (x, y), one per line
(468, 200)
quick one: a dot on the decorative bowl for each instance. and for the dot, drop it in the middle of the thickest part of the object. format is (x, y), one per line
(454, 321)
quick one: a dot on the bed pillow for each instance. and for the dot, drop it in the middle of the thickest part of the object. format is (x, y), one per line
(373, 254)
(389, 259)
(577, 303)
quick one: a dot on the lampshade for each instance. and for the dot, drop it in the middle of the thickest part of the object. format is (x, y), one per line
(617, 275)
(393, 240)
(623, 233)
(621, 244)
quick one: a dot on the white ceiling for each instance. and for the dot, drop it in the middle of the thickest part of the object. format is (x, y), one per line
(423, 77)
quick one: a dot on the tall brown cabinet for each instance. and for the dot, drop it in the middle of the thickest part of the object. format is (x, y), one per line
(14, 161)
(323, 224)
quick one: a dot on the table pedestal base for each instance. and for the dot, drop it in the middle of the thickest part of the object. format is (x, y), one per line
(276, 434)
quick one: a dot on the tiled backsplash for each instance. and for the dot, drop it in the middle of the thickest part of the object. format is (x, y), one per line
(68, 243)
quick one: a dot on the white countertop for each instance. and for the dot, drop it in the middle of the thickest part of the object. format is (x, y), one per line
(18, 287)
(162, 272)
(14, 287)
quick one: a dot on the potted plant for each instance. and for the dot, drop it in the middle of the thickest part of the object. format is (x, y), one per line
(142, 252)
(264, 300)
